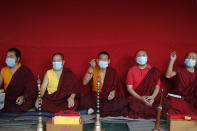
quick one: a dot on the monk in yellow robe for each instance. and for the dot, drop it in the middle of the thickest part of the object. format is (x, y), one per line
(60, 87)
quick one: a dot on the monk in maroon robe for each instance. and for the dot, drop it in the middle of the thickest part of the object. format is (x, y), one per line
(185, 85)
(60, 87)
(143, 83)
(112, 102)
(18, 83)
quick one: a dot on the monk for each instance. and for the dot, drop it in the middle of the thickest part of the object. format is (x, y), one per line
(184, 85)
(60, 87)
(18, 83)
(112, 102)
(143, 85)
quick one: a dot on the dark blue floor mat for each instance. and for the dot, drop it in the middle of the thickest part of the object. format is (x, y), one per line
(33, 113)
(30, 113)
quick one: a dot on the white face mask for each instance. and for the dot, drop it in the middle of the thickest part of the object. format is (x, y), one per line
(103, 64)
(57, 65)
(190, 62)
(141, 60)
(11, 62)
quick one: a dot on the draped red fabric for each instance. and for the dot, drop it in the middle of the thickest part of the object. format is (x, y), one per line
(115, 107)
(137, 109)
(22, 83)
(80, 29)
(185, 84)
(57, 101)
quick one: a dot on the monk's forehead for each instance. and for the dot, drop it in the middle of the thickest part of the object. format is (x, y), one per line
(141, 52)
(57, 57)
(191, 54)
(11, 53)
(103, 56)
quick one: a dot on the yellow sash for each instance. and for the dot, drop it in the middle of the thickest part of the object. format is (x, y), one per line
(96, 73)
(53, 81)
(7, 75)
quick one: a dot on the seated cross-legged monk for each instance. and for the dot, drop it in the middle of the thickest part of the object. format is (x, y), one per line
(60, 87)
(184, 85)
(143, 85)
(18, 83)
(112, 102)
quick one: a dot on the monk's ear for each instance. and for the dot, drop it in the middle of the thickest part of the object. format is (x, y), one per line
(18, 59)
(109, 61)
(63, 62)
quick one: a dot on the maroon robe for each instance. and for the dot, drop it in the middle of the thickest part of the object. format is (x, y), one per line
(21, 84)
(68, 84)
(185, 84)
(116, 107)
(137, 108)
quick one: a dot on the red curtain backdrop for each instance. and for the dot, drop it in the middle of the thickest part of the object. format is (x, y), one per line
(80, 29)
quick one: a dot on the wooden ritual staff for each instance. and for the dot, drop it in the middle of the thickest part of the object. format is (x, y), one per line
(159, 109)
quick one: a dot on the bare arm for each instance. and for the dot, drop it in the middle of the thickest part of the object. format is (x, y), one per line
(133, 93)
(156, 91)
(44, 85)
(88, 76)
(170, 73)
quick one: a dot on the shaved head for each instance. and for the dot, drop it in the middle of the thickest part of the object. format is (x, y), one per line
(191, 55)
(141, 52)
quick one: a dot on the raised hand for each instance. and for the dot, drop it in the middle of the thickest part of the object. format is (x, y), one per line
(173, 56)
(93, 63)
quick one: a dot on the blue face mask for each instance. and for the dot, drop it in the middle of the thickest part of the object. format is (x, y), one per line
(11, 62)
(142, 60)
(103, 64)
(57, 65)
(190, 62)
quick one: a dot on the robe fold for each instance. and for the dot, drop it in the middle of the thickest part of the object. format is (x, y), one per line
(21, 84)
(116, 107)
(138, 109)
(185, 85)
(57, 101)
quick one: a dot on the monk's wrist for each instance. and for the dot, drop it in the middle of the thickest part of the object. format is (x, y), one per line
(89, 72)
(113, 91)
(72, 96)
(90, 69)
(40, 97)
(141, 98)
(172, 61)
(153, 97)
